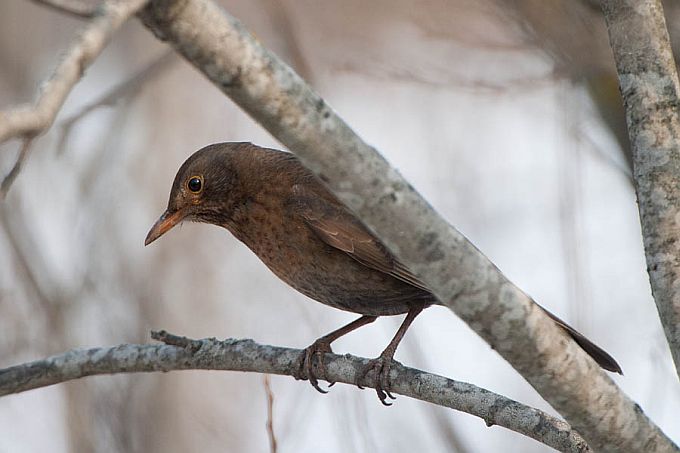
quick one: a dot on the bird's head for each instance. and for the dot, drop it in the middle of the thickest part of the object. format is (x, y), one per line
(202, 190)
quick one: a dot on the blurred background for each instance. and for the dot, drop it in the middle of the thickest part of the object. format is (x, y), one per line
(504, 114)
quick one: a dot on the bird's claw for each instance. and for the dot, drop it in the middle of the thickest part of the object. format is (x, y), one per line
(306, 364)
(381, 367)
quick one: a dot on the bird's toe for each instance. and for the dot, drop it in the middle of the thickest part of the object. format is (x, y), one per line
(380, 367)
(306, 367)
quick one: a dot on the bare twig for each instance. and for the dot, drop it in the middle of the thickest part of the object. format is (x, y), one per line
(180, 353)
(75, 8)
(270, 413)
(458, 274)
(650, 89)
(14, 172)
(128, 87)
(30, 120)
(514, 86)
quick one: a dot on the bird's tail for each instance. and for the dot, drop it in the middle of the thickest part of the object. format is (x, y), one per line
(598, 354)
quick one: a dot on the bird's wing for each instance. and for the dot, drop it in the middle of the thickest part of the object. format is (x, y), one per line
(338, 227)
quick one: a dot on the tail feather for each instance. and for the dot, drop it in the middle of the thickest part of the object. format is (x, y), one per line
(598, 354)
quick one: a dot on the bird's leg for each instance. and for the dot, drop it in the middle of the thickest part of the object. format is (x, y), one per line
(323, 346)
(381, 365)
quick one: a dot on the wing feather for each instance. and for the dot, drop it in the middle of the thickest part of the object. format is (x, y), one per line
(339, 228)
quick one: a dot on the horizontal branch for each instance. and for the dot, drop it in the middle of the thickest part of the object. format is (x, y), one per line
(458, 274)
(180, 353)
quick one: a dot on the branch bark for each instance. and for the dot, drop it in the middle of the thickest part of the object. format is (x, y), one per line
(459, 275)
(649, 86)
(180, 353)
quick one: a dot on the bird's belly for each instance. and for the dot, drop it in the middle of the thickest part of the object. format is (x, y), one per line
(333, 278)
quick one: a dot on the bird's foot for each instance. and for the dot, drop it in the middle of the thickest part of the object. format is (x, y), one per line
(306, 364)
(381, 367)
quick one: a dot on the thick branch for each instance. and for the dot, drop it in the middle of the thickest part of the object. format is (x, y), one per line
(460, 276)
(31, 120)
(650, 89)
(245, 355)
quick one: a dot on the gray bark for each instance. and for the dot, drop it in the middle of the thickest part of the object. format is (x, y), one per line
(649, 86)
(245, 355)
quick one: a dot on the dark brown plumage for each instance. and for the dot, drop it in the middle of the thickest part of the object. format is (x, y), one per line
(276, 207)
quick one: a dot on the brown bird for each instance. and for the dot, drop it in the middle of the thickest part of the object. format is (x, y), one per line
(310, 240)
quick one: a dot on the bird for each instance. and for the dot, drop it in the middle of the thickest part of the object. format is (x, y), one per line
(308, 238)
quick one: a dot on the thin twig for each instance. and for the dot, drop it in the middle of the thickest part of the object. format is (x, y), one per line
(128, 87)
(75, 8)
(28, 120)
(270, 413)
(181, 353)
(14, 172)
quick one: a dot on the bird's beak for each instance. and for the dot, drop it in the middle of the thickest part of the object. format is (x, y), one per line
(166, 221)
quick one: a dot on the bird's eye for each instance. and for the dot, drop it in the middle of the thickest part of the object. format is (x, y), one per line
(195, 184)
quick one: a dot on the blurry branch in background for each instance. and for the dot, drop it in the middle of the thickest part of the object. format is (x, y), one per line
(128, 87)
(270, 412)
(180, 353)
(461, 83)
(280, 18)
(76, 8)
(458, 274)
(573, 35)
(30, 264)
(16, 168)
(650, 90)
(29, 120)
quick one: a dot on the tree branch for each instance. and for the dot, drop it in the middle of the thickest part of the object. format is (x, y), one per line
(270, 413)
(128, 87)
(16, 168)
(31, 120)
(180, 353)
(459, 275)
(649, 86)
(75, 8)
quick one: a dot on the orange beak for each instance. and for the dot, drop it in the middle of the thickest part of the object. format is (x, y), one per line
(166, 221)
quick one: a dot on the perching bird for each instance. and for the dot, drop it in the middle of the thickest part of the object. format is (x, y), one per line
(310, 240)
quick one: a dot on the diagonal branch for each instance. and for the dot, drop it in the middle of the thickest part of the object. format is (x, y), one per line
(126, 88)
(33, 119)
(76, 8)
(459, 275)
(180, 353)
(8, 180)
(651, 95)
